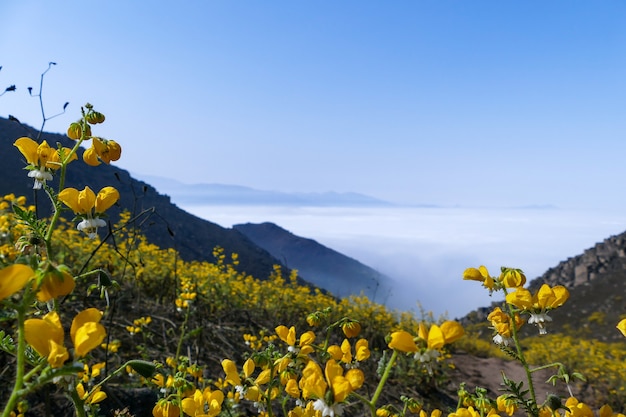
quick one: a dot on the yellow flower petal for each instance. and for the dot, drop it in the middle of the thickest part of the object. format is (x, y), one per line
(356, 378)
(81, 202)
(362, 350)
(452, 331)
(335, 352)
(58, 354)
(287, 335)
(621, 326)
(520, 298)
(85, 316)
(28, 148)
(90, 156)
(402, 341)
(106, 198)
(512, 278)
(476, 274)
(55, 284)
(40, 332)
(13, 278)
(232, 375)
(435, 337)
(248, 367)
(307, 338)
(86, 331)
(264, 377)
(561, 295)
(292, 389)
(86, 200)
(88, 337)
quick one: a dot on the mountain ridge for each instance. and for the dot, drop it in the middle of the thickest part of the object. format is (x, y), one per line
(164, 223)
(227, 194)
(339, 274)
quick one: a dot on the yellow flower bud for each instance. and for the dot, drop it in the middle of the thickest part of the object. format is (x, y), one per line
(351, 328)
(512, 278)
(94, 117)
(75, 131)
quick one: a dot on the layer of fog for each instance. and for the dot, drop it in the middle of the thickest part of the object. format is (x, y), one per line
(426, 250)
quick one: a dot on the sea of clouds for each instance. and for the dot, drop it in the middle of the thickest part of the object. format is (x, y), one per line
(426, 250)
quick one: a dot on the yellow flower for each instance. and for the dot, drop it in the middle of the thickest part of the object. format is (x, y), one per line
(205, 403)
(232, 375)
(577, 409)
(438, 336)
(102, 150)
(13, 278)
(452, 331)
(362, 350)
(501, 323)
(621, 326)
(93, 398)
(506, 405)
(351, 329)
(41, 159)
(314, 385)
(402, 341)
(545, 299)
(86, 331)
(479, 274)
(465, 412)
(164, 408)
(288, 335)
(89, 206)
(512, 278)
(56, 282)
(45, 335)
(291, 388)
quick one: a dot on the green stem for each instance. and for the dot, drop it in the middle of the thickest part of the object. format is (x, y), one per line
(55, 203)
(79, 404)
(183, 329)
(520, 354)
(21, 363)
(539, 368)
(383, 380)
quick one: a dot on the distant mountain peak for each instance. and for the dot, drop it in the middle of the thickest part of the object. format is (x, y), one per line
(227, 194)
(321, 266)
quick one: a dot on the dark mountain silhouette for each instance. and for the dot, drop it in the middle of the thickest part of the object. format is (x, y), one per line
(168, 227)
(318, 264)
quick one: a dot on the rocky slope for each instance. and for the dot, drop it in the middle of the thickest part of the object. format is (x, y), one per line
(596, 280)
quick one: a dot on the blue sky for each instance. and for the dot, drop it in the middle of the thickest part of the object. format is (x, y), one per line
(484, 103)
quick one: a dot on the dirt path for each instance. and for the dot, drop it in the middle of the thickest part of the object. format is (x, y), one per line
(487, 373)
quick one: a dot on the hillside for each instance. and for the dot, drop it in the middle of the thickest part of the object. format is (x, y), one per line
(166, 225)
(318, 264)
(596, 280)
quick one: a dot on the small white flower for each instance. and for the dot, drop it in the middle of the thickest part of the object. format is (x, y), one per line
(501, 340)
(40, 176)
(90, 226)
(427, 356)
(539, 319)
(327, 410)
